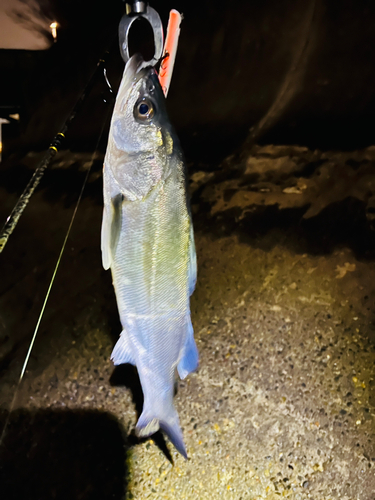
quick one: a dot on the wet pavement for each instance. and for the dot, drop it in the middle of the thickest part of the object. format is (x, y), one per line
(283, 404)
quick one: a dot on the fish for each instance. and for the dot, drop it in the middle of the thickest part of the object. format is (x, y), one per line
(147, 240)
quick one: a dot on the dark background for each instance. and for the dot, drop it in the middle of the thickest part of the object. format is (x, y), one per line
(280, 71)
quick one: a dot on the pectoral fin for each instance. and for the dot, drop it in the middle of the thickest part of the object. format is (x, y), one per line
(111, 228)
(106, 227)
(116, 221)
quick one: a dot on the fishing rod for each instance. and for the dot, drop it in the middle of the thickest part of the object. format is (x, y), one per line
(53, 149)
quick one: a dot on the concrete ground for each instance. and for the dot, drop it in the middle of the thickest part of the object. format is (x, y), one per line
(283, 403)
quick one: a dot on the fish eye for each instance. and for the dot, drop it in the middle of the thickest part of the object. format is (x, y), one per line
(144, 110)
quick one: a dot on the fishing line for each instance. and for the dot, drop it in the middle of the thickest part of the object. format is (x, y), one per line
(94, 157)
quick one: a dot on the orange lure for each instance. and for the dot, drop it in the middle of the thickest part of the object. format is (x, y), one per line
(170, 50)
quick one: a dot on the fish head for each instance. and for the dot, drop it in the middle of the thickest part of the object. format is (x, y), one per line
(142, 146)
(140, 122)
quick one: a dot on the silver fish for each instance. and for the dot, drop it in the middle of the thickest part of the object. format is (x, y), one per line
(148, 242)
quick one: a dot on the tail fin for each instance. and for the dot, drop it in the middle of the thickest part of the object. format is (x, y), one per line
(169, 423)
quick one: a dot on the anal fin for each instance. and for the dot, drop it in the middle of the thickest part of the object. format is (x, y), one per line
(190, 358)
(122, 352)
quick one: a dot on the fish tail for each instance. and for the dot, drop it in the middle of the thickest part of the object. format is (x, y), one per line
(149, 423)
(174, 433)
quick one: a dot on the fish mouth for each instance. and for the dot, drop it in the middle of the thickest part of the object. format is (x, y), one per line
(136, 69)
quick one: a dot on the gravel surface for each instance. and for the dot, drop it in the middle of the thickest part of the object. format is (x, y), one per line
(283, 403)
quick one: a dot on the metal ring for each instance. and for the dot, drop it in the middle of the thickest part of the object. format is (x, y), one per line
(154, 19)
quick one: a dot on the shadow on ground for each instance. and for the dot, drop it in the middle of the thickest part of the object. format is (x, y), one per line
(52, 454)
